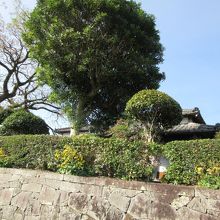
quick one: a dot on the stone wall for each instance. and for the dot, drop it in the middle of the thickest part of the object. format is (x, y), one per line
(28, 194)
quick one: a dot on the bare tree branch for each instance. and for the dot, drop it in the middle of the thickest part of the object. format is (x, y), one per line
(18, 79)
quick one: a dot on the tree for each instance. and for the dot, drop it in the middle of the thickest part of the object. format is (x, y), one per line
(23, 122)
(19, 85)
(95, 54)
(155, 110)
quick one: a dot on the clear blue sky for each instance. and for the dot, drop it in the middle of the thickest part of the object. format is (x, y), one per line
(190, 33)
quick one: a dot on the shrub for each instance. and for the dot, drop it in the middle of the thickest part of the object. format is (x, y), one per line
(69, 161)
(22, 122)
(31, 151)
(86, 155)
(190, 160)
(156, 110)
(114, 157)
(4, 113)
(217, 135)
(127, 129)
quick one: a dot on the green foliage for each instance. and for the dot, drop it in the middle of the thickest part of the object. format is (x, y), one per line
(156, 110)
(69, 161)
(124, 159)
(95, 55)
(31, 151)
(22, 122)
(210, 181)
(4, 113)
(217, 135)
(86, 155)
(191, 162)
(127, 129)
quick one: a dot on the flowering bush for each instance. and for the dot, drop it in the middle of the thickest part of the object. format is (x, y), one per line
(3, 158)
(209, 175)
(193, 162)
(69, 161)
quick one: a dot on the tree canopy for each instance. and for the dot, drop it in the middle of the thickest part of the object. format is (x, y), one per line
(95, 54)
(156, 110)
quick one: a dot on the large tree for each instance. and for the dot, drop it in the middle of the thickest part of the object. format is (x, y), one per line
(95, 54)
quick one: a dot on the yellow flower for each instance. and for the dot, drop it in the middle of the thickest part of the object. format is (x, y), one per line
(199, 170)
(2, 153)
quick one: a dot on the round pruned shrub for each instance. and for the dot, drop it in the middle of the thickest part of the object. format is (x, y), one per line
(4, 113)
(155, 110)
(23, 122)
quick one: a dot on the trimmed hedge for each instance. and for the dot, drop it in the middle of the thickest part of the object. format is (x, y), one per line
(193, 162)
(81, 155)
(23, 122)
(30, 151)
(4, 113)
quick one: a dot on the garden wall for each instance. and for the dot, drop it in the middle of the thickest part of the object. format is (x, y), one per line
(29, 194)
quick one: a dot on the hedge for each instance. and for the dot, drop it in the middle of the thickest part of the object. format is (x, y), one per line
(30, 151)
(23, 122)
(193, 162)
(82, 155)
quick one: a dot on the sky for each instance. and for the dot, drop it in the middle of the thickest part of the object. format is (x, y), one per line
(190, 34)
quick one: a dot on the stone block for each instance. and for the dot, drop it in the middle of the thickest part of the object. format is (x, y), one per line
(140, 206)
(21, 200)
(70, 187)
(186, 213)
(78, 201)
(32, 218)
(48, 196)
(5, 177)
(114, 214)
(50, 175)
(15, 184)
(8, 212)
(53, 183)
(97, 208)
(180, 202)
(214, 213)
(31, 187)
(91, 190)
(207, 193)
(196, 205)
(63, 198)
(118, 200)
(68, 214)
(6, 196)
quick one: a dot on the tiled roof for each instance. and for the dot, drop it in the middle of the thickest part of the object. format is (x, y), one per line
(67, 130)
(195, 113)
(191, 128)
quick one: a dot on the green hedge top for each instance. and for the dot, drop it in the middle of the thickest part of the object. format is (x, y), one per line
(81, 155)
(23, 122)
(191, 160)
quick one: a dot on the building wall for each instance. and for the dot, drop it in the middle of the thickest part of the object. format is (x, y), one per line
(28, 194)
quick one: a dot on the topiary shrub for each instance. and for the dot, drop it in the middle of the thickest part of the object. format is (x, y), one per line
(193, 162)
(4, 113)
(155, 110)
(22, 122)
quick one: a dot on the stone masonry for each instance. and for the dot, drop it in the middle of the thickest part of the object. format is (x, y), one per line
(40, 195)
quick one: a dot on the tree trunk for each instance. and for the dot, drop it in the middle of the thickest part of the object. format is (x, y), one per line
(79, 118)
